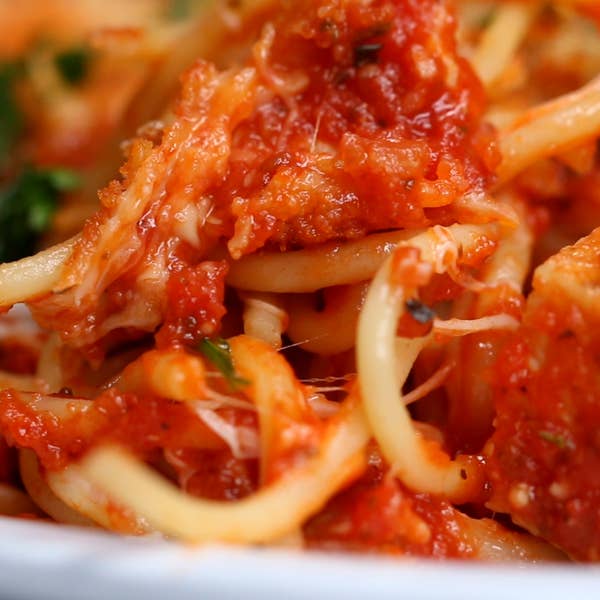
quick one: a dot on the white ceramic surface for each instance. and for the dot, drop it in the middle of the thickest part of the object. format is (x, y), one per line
(45, 561)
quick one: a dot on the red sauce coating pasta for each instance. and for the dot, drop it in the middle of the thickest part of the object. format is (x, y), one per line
(341, 120)
(378, 514)
(346, 121)
(543, 458)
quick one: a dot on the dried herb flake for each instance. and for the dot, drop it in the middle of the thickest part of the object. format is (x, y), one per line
(366, 54)
(419, 311)
(556, 439)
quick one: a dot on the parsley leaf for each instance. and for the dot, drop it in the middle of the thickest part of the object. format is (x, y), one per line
(218, 352)
(179, 9)
(27, 205)
(73, 64)
(11, 119)
(556, 439)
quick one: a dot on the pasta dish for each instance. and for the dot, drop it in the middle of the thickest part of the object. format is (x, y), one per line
(338, 288)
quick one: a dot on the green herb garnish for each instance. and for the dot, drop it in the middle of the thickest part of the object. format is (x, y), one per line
(73, 64)
(218, 352)
(11, 118)
(27, 205)
(556, 439)
(180, 9)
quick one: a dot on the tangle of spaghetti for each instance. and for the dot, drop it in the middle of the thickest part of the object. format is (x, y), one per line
(343, 292)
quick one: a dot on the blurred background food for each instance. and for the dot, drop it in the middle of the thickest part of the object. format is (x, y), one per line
(76, 79)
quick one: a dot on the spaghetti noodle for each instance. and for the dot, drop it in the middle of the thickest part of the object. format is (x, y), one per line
(338, 294)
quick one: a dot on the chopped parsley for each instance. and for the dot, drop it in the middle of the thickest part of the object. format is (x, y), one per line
(419, 311)
(27, 205)
(73, 64)
(218, 352)
(11, 119)
(181, 9)
(556, 439)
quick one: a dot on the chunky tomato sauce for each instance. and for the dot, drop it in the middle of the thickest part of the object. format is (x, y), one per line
(544, 458)
(143, 424)
(194, 303)
(545, 461)
(375, 119)
(345, 120)
(214, 474)
(378, 514)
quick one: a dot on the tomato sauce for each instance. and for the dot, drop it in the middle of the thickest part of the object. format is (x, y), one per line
(544, 457)
(141, 423)
(194, 303)
(16, 357)
(346, 119)
(165, 433)
(374, 120)
(545, 460)
(214, 474)
(378, 514)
